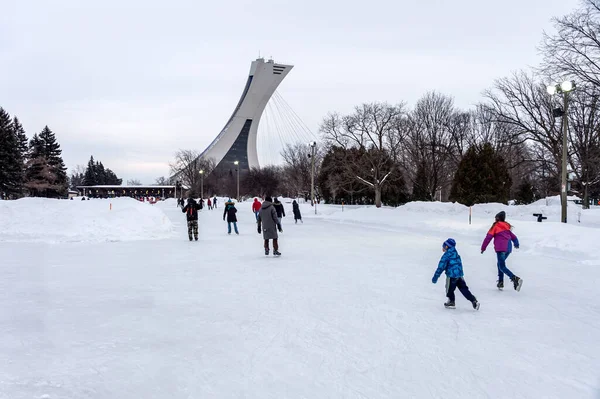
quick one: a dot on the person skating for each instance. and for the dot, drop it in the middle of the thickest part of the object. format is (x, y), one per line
(215, 202)
(230, 212)
(209, 204)
(504, 239)
(296, 210)
(279, 209)
(452, 265)
(256, 207)
(191, 211)
(268, 224)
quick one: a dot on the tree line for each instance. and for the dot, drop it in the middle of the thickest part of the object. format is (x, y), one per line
(509, 146)
(29, 167)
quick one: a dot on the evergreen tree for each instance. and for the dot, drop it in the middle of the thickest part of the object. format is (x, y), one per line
(46, 172)
(21, 138)
(420, 192)
(11, 176)
(100, 174)
(90, 178)
(525, 193)
(22, 147)
(97, 174)
(111, 178)
(482, 177)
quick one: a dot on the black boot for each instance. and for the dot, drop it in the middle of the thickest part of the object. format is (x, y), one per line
(475, 304)
(450, 304)
(517, 282)
(500, 285)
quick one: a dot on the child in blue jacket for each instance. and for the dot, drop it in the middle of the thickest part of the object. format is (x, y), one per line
(452, 265)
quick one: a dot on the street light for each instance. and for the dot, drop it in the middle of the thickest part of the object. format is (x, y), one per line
(312, 145)
(201, 183)
(236, 163)
(564, 88)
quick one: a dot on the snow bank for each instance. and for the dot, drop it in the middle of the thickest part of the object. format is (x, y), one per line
(49, 220)
(574, 241)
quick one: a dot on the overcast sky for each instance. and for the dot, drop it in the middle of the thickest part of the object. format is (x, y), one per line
(132, 81)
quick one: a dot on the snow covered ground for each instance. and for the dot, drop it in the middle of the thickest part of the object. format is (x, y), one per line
(348, 311)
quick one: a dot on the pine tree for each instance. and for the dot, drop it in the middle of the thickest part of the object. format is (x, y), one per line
(46, 171)
(100, 174)
(112, 179)
(90, 178)
(420, 192)
(11, 177)
(22, 147)
(482, 177)
(525, 193)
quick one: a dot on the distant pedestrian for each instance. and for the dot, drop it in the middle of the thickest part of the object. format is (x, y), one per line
(256, 207)
(504, 239)
(230, 212)
(191, 211)
(279, 209)
(296, 210)
(268, 224)
(215, 202)
(209, 204)
(452, 265)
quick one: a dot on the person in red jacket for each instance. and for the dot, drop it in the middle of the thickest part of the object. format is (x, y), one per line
(256, 207)
(504, 239)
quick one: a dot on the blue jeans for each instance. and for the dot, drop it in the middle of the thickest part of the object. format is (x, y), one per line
(502, 269)
(256, 214)
(234, 226)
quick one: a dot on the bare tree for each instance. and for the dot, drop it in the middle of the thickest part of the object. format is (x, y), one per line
(584, 136)
(134, 182)
(523, 107)
(428, 144)
(186, 167)
(370, 129)
(296, 179)
(162, 181)
(77, 177)
(574, 50)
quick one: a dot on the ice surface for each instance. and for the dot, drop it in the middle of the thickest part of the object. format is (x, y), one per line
(348, 311)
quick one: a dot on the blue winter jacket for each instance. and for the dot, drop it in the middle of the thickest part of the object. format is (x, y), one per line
(451, 264)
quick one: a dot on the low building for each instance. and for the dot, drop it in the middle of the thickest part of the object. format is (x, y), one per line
(105, 191)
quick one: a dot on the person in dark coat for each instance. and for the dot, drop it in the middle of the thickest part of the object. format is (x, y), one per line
(191, 211)
(296, 210)
(279, 209)
(268, 224)
(230, 212)
(215, 202)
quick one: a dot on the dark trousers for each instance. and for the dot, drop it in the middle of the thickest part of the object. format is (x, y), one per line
(454, 283)
(275, 244)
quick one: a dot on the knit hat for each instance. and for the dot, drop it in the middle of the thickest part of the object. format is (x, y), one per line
(269, 199)
(501, 216)
(450, 243)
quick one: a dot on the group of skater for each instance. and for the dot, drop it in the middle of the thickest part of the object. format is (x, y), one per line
(268, 214)
(451, 263)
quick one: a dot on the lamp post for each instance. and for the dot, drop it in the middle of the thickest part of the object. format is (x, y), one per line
(313, 146)
(237, 169)
(201, 183)
(565, 88)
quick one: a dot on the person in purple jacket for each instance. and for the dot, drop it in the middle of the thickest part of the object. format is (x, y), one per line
(504, 238)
